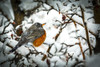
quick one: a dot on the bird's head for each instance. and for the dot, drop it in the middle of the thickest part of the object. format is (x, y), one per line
(39, 25)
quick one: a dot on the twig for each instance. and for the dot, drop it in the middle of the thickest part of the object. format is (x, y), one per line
(4, 14)
(61, 48)
(74, 14)
(92, 33)
(90, 18)
(81, 25)
(36, 52)
(86, 31)
(73, 31)
(57, 35)
(81, 37)
(79, 62)
(58, 7)
(81, 49)
(68, 21)
(61, 28)
(48, 51)
(4, 29)
(68, 45)
(55, 63)
(86, 50)
(9, 45)
(79, 42)
(48, 62)
(1, 21)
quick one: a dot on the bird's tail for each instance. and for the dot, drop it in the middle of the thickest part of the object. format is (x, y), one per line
(17, 46)
(20, 43)
(14, 49)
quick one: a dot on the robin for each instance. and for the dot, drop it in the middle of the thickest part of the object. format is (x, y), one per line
(35, 34)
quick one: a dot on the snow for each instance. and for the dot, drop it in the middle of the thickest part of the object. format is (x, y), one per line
(27, 5)
(46, 6)
(38, 61)
(78, 19)
(93, 27)
(59, 62)
(1, 44)
(7, 8)
(66, 44)
(2, 57)
(3, 19)
(93, 61)
(23, 51)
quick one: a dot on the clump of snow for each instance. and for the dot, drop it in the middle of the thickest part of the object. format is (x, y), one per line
(23, 51)
(1, 44)
(11, 56)
(7, 8)
(27, 5)
(93, 61)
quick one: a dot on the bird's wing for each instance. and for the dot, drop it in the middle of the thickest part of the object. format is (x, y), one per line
(36, 34)
(24, 36)
(28, 31)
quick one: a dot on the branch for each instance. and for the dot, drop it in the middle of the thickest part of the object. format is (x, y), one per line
(61, 28)
(74, 31)
(79, 62)
(58, 7)
(4, 14)
(4, 29)
(81, 49)
(81, 25)
(74, 14)
(57, 35)
(68, 45)
(48, 52)
(1, 21)
(86, 30)
(81, 37)
(79, 42)
(86, 50)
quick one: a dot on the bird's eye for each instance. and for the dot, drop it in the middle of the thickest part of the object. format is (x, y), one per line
(38, 24)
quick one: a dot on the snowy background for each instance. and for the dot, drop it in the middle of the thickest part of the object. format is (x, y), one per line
(71, 34)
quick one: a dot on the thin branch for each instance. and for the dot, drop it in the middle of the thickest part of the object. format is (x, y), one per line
(74, 31)
(81, 37)
(68, 45)
(61, 48)
(48, 51)
(81, 25)
(68, 21)
(74, 14)
(9, 45)
(4, 29)
(86, 31)
(58, 7)
(81, 49)
(48, 62)
(57, 35)
(79, 62)
(55, 63)
(90, 18)
(79, 42)
(1, 21)
(4, 14)
(62, 27)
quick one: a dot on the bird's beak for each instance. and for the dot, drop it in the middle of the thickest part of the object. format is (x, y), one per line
(43, 24)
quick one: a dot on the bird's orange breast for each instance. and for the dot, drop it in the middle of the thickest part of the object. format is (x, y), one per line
(39, 40)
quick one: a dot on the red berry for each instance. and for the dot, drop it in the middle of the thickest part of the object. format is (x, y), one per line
(63, 17)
